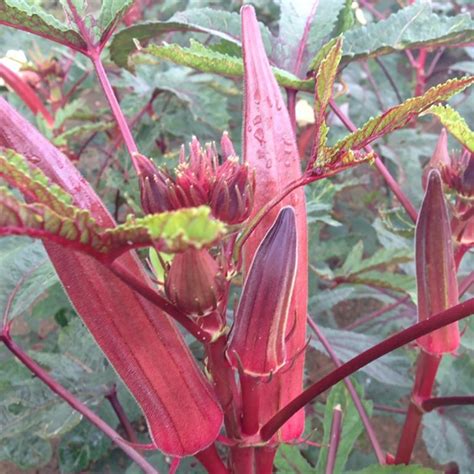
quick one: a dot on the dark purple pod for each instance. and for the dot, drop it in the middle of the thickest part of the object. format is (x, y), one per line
(257, 342)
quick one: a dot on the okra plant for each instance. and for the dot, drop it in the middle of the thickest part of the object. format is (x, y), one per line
(192, 273)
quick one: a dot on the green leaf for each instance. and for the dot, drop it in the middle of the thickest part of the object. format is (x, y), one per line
(399, 469)
(295, 21)
(205, 59)
(390, 369)
(354, 263)
(455, 123)
(27, 451)
(26, 275)
(110, 14)
(325, 78)
(446, 440)
(28, 16)
(410, 27)
(82, 446)
(352, 426)
(397, 117)
(79, 130)
(289, 460)
(222, 24)
(169, 231)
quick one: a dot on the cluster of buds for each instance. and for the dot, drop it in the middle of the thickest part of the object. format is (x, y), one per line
(227, 188)
(457, 174)
(194, 280)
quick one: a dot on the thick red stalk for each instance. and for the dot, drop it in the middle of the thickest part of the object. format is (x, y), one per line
(456, 313)
(392, 183)
(26, 93)
(353, 393)
(76, 404)
(94, 52)
(210, 459)
(427, 367)
(334, 438)
(269, 147)
(142, 343)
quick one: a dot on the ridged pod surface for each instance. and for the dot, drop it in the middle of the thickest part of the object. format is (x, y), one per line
(142, 343)
(435, 267)
(269, 147)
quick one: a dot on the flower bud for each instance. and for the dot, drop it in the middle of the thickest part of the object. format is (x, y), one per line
(440, 158)
(154, 187)
(232, 195)
(194, 283)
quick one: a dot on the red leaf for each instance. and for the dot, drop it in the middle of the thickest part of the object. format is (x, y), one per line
(269, 147)
(141, 342)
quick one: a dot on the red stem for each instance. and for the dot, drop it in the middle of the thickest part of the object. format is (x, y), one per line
(112, 397)
(376, 314)
(392, 183)
(210, 459)
(353, 393)
(68, 397)
(427, 367)
(420, 72)
(304, 38)
(455, 313)
(335, 437)
(431, 404)
(93, 52)
(264, 458)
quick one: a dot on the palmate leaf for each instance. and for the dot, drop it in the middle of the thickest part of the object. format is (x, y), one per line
(169, 231)
(455, 123)
(396, 117)
(206, 59)
(221, 24)
(28, 16)
(410, 27)
(111, 12)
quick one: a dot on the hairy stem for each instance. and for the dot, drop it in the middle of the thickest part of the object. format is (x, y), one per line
(353, 393)
(68, 397)
(455, 313)
(392, 183)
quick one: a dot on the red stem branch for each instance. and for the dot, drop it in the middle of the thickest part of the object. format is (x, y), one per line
(69, 398)
(455, 313)
(392, 183)
(431, 404)
(335, 437)
(112, 397)
(353, 393)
